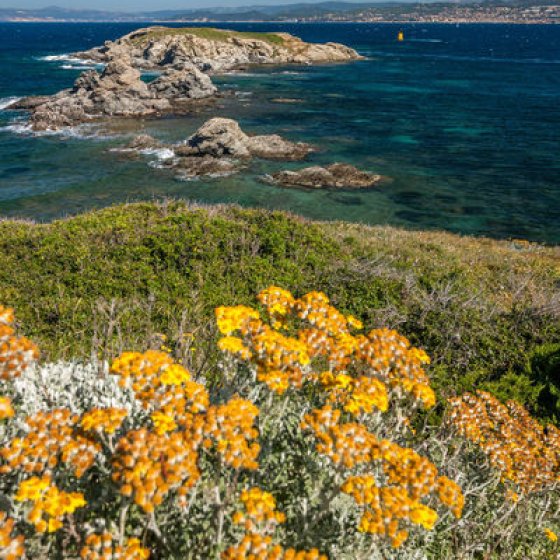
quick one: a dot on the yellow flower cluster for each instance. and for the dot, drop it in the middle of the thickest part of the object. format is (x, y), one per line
(11, 547)
(258, 547)
(160, 384)
(230, 428)
(147, 466)
(101, 420)
(232, 319)
(259, 517)
(104, 547)
(324, 335)
(347, 444)
(278, 303)
(408, 477)
(16, 353)
(362, 374)
(524, 452)
(259, 512)
(386, 508)
(53, 438)
(50, 504)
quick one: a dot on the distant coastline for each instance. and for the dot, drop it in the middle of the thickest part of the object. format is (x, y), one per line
(273, 21)
(490, 11)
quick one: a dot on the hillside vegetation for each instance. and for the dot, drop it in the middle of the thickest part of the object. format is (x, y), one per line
(211, 34)
(487, 312)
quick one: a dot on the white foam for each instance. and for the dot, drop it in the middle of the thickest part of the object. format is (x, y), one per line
(162, 154)
(7, 101)
(69, 58)
(80, 132)
(77, 67)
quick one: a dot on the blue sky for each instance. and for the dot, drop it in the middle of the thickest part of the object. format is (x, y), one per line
(127, 5)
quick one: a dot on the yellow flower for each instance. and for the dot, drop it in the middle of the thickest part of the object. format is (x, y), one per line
(175, 374)
(234, 345)
(32, 489)
(6, 410)
(550, 535)
(354, 323)
(340, 381)
(423, 515)
(163, 423)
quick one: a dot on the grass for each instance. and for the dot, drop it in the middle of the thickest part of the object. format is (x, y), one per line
(110, 280)
(210, 33)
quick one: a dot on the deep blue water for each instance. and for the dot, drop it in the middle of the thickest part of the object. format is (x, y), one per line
(464, 119)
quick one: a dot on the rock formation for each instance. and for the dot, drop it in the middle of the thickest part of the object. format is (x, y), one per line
(224, 137)
(215, 50)
(220, 147)
(117, 91)
(335, 176)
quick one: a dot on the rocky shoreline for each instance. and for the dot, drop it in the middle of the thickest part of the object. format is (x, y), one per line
(185, 59)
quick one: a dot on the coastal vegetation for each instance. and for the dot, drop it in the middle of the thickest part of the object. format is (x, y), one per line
(305, 446)
(209, 33)
(107, 281)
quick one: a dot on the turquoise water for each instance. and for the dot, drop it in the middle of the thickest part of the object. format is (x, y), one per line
(464, 119)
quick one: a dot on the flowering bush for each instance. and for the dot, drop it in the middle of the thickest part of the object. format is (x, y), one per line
(307, 446)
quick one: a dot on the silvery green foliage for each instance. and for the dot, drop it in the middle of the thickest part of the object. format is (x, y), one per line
(73, 385)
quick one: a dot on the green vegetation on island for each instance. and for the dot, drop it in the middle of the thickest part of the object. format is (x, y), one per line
(210, 33)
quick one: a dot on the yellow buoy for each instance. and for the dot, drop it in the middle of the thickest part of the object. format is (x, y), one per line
(400, 36)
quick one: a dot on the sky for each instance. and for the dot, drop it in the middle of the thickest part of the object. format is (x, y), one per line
(144, 5)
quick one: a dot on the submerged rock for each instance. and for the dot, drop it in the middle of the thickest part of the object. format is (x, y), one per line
(337, 175)
(144, 142)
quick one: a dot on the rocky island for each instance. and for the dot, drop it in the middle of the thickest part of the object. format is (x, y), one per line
(215, 50)
(184, 57)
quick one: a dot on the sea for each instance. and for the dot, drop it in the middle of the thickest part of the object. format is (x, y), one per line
(463, 120)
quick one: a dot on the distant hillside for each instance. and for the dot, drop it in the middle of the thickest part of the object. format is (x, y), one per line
(493, 10)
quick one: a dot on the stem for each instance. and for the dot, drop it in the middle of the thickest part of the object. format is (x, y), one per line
(122, 523)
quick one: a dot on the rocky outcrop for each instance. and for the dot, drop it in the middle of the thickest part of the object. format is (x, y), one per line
(215, 50)
(220, 147)
(184, 81)
(335, 176)
(224, 137)
(118, 91)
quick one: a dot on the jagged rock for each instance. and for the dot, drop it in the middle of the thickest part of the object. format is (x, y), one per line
(186, 82)
(118, 91)
(223, 137)
(217, 138)
(337, 175)
(215, 49)
(28, 103)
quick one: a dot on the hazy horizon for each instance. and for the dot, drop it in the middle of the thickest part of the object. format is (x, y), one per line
(148, 5)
